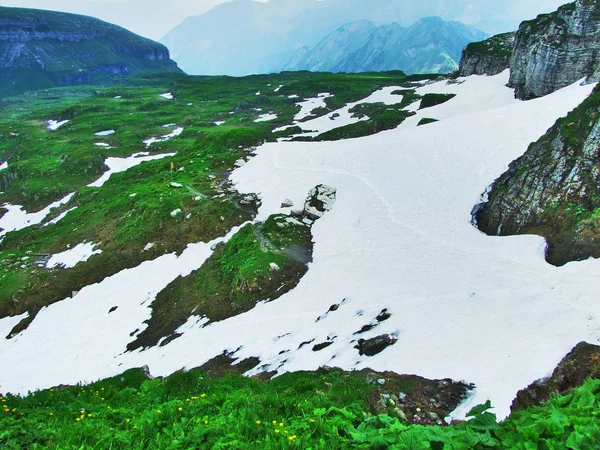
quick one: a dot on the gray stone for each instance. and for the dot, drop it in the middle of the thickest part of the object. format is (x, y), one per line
(556, 50)
(376, 345)
(489, 57)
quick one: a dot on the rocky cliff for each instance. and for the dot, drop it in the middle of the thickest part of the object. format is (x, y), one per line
(40, 49)
(557, 49)
(489, 57)
(553, 189)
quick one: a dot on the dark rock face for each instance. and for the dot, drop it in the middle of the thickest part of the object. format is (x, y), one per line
(489, 57)
(40, 49)
(372, 347)
(557, 49)
(582, 363)
(553, 189)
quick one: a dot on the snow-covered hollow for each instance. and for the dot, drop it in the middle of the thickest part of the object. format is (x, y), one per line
(116, 165)
(70, 258)
(487, 310)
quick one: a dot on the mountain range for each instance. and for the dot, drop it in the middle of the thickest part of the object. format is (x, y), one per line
(244, 37)
(431, 45)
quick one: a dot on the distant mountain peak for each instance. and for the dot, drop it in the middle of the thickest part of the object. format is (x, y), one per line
(430, 45)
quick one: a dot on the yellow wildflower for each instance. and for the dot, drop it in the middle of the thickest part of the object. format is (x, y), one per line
(281, 424)
(277, 431)
(258, 422)
(158, 411)
(78, 419)
(180, 409)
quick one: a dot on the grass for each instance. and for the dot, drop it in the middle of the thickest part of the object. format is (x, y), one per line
(327, 409)
(379, 117)
(260, 262)
(500, 46)
(430, 100)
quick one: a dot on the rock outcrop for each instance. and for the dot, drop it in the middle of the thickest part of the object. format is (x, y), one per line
(40, 49)
(553, 189)
(581, 363)
(555, 50)
(489, 57)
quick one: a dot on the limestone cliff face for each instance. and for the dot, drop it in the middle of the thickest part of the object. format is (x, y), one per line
(41, 49)
(553, 190)
(489, 57)
(557, 49)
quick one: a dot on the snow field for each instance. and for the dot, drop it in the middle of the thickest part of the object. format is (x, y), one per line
(487, 310)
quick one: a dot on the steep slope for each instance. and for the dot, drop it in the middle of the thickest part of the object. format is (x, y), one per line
(244, 37)
(489, 57)
(552, 190)
(557, 49)
(431, 45)
(40, 49)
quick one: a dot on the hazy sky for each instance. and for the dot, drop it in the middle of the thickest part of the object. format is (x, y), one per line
(154, 18)
(150, 18)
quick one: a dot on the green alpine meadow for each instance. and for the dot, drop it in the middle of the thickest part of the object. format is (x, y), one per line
(312, 224)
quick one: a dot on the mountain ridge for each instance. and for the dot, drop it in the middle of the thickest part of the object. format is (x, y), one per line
(430, 45)
(40, 49)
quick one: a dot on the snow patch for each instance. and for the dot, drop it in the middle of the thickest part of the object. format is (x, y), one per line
(16, 218)
(219, 122)
(70, 258)
(116, 165)
(166, 95)
(105, 133)
(54, 125)
(266, 117)
(176, 132)
(310, 104)
(4, 165)
(343, 116)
